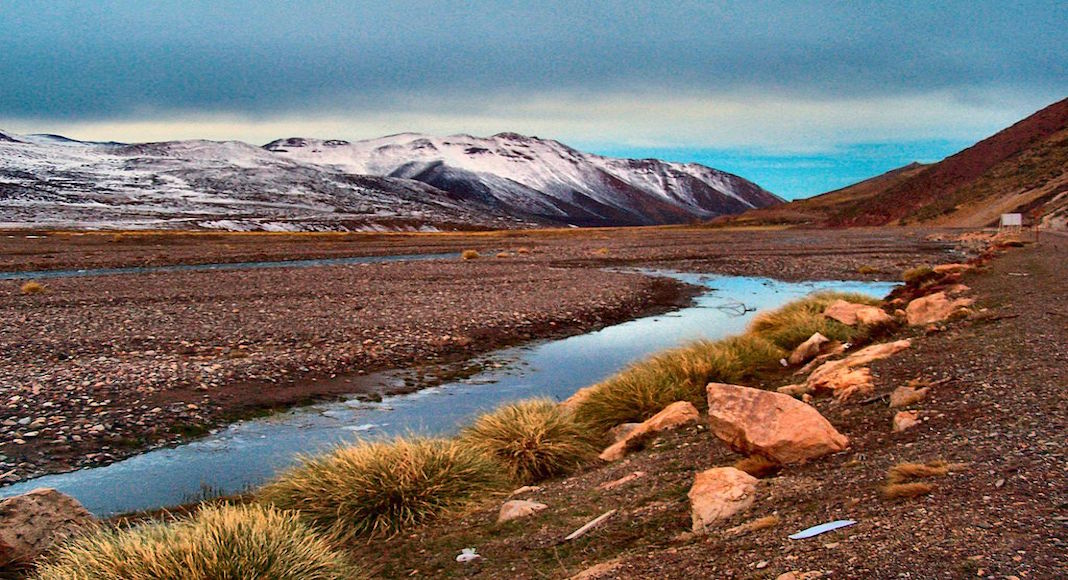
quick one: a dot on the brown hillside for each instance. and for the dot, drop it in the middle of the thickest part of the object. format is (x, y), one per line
(936, 191)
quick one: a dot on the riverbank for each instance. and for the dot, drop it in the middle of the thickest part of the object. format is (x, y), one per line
(105, 367)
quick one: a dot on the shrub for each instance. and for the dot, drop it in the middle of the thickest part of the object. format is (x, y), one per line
(523, 250)
(219, 543)
(795, 322)
(383, 487)
(906, 490)
(645, 388)
(470, 255)
(32, 287)
(503, 255)
(751, 354)
(918, 275)
(533, 439)
(866, 269)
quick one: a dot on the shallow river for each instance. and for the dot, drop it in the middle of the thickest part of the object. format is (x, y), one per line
(245, 454)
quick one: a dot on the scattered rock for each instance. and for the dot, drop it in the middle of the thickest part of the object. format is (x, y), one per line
(673, 416)
(719, 493)
(934, 308)
(799, 575)
(621, 481)
(620, 432)
(906, 420)
(808, 349)
(851, 314)
(774, 425)
(525, 489)
(518, 508)
(951, 268)
(30, 523)
(905, 396)
(836, 376)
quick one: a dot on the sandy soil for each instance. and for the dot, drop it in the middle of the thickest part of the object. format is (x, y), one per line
(98, 368)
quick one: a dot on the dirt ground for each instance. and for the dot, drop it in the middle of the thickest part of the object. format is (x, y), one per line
(100, 367)
(999, 407)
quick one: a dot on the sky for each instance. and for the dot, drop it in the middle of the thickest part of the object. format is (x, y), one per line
(801, 97)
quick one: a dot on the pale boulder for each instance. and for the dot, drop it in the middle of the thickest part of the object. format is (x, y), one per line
(905, 420)
(843, 382)
(808, 349)
(851, 314)
(518, 508)
(32, 522)
(905, 396)
(951, 268)
(934, 308)
(719, 493)
(861, 357)
(774, 425)
(673, 416)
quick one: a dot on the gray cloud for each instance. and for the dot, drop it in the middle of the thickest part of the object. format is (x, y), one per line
(100, 60)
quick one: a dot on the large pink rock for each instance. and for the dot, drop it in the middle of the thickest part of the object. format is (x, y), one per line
(851, 314)
(808, 349)
(860, 358)
(673, 416)
(719, 493)
(32, 522)
(518, 508)
(771, 424)
(934, 308)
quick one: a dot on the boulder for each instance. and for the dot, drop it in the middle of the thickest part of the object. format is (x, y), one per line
(774, 425)
(851, 314)
(620, 432)
(934, 308)
(859, 358)
(673, 416)
(905, 396)
(719, 493)
(952, 268)
(571, 403)
(906, 420)
(518, 508)
(808, 349)
(32, 522)
(843, 382)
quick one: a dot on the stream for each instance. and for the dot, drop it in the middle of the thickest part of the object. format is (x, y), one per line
(245, 454)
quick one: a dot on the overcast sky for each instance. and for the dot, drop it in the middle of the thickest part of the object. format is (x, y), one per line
(801, 97)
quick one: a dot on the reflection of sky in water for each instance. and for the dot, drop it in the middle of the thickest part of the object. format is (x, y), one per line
(247, 453)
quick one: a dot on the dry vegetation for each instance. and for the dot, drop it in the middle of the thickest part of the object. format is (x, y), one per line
(33, 288)
(470, 255)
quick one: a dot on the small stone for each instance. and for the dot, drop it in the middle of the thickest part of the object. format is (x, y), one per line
(518, 508)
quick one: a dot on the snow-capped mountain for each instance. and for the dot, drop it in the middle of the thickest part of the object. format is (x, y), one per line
(52, 181)
(541, 179)
(398, 182)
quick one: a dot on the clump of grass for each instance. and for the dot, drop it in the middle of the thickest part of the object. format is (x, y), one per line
(756, 525)
(918, 275)
(219, 543)
(533, 439)
(383, 487)
(33, 287)
(600, 252)
(866, 269)
(795, 322)
(751, 354)
(470, 255)
(906, 490)
(758, 466)
(645, 388)
(503, 255)
(523, 250)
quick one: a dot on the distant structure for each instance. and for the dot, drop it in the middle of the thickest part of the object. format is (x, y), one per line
(1011, 222)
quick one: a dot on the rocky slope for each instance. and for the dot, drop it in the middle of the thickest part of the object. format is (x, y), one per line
(51, 181)
(1023, 168)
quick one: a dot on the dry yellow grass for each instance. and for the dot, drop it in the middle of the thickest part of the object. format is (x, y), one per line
(756, 525)
(384, 487)
(218, 543)
(503, 255)
(32, 287)
(533, 439)
(523, 250)
(470, 255)
(917, 275)
(906, 490)
(795, 322)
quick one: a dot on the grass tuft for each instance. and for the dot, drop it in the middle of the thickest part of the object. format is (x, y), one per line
(523, 250)
(470, 255)
(533, 439)
(789, 326)
(918, 275)
(906, 490)
(32, 287)
(219, 543)
(866, 269)
(383, 487)
(904, 472)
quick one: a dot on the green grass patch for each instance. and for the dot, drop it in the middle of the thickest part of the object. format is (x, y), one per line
(795, 322)
(382, 488)
(219, 543)
(533, 440)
